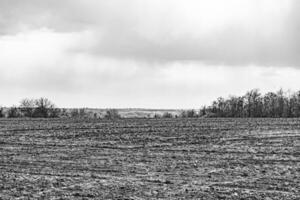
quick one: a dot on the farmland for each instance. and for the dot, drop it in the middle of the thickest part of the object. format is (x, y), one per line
(150, 159)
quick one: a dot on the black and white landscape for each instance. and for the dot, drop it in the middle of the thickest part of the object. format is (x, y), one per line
(149, 99)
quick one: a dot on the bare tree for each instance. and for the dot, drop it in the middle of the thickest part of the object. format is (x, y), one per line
(112, 114)
(43, 107)
(27, 107)
(253, 104)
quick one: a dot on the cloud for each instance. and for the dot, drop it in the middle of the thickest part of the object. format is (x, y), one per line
(235, 32)
(76, 79)
(140, 53)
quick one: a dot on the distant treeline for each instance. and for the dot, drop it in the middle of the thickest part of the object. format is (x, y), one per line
(39, 108)
(44, 108)
(252, 104)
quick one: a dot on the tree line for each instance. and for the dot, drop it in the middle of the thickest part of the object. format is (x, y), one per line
(254, 104)
(33, 108)
(44, 108)
(278, 104)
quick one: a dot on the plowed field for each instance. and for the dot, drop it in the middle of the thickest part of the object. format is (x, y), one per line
(150, 159)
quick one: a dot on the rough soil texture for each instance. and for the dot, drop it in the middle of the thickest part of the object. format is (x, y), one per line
(150, 159)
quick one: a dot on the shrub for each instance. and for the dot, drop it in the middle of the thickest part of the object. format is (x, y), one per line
(1, 112)
(43, 107)
(13, 112)
(74, 113)
(188, 114)
(157, 116)
(54, 112)
(63, 112)
(82, 112)
(167, 115)
(112, 114)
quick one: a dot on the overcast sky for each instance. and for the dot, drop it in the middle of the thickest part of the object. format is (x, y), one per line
(146, 53)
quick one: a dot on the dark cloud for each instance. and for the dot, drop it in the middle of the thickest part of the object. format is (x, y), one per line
(227, 48)
(120, 32)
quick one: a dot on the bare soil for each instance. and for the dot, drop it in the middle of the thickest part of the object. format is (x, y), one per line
(150, 159)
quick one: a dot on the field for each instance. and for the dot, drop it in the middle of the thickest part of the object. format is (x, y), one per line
(150, 159)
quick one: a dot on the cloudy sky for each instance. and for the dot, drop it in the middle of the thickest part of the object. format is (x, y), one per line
(142, 53)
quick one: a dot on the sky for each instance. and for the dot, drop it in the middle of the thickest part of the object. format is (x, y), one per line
(146, 54)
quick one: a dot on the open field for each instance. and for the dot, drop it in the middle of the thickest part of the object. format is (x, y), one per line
(150, 159)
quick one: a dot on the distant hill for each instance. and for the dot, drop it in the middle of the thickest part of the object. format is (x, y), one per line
(132, 112)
